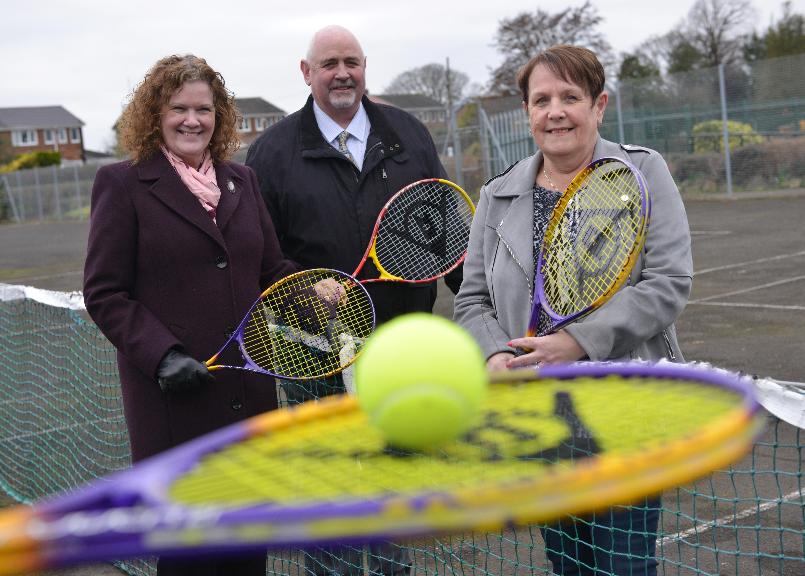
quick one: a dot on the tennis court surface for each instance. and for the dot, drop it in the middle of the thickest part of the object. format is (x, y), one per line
(746, 312)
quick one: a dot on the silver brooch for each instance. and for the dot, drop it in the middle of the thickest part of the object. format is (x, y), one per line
(230, 186)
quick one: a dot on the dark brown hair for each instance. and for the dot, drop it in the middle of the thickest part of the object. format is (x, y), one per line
(571, 63)
(139, 127)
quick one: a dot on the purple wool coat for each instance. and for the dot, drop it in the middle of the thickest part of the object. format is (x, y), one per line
(160, 273)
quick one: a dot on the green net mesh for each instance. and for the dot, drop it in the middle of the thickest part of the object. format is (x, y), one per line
(61, 425)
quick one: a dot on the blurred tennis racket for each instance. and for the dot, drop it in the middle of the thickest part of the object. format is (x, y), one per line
(783, 399)
(591, 243)
(299, 330)
(569, 440)
(421, 233)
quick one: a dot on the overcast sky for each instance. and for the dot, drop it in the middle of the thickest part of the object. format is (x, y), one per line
(87, 55)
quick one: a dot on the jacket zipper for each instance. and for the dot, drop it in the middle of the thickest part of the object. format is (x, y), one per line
(671, 355)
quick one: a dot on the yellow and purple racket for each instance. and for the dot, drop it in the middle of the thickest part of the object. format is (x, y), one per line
(591, 243)
(295, 331)
(568, 439)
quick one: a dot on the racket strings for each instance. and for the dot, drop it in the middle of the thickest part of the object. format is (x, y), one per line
(589, 246)
(526, 429)
(294, 332)
(424, 231)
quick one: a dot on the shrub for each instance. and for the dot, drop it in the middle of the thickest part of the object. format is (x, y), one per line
(709, 136)
(697, 172)
(771, 165)
(32, 160)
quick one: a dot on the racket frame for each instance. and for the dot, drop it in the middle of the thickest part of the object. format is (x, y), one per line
(127, 514)
(238, 334)
(371, 249)
(576, 186)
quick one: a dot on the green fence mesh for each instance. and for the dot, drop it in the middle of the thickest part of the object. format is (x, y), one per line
(61, 425)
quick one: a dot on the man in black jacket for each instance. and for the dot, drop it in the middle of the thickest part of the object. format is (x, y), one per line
(325, 173)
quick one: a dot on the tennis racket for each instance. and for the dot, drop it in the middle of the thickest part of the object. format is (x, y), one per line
(295, 330)
(421, 233)
(591, 243)
(567, 440)
(783, 399)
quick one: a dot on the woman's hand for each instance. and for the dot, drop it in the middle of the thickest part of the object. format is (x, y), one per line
(498, 362)
(556, 348)
(178, 372)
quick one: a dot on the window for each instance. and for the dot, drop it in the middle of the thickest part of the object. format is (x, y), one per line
(51, 134)
(24, 138)
(260, 124)
(75, 135)
(245, 125)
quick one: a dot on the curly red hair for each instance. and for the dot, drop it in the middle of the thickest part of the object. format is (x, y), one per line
(139, 127)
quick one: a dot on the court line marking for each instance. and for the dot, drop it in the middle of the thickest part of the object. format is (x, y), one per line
(731, 518)
(710, 232)
(748, 305)
(747, 290)
(748, 263)
(45, 277)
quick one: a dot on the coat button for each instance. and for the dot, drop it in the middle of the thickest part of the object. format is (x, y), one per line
(221, 262)
(236, 404)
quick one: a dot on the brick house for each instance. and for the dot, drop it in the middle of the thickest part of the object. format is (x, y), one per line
(424, 108)
(256, 115)
(40, 129)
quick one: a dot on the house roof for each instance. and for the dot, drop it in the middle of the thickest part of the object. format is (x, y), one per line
(256, 107)
(33, 117)
(407, 101)
(497, 104)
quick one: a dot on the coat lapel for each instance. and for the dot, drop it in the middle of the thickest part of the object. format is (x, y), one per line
(515, 229)
(169, 189)
(231, 185)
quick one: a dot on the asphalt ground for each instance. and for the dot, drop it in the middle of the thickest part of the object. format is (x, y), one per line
(746, 312)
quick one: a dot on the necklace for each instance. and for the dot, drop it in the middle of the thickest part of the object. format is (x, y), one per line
(548, 178)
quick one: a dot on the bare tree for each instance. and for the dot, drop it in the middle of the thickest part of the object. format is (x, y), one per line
(430, 80)
(523, 36)
(718, 28)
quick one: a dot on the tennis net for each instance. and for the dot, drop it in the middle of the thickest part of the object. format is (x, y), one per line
(62, 425)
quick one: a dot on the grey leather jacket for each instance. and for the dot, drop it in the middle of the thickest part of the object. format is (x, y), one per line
(494, 302)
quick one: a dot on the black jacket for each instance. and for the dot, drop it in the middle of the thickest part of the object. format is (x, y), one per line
(324, 210)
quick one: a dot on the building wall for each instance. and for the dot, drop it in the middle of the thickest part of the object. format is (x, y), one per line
(69, 150)
(249, 128)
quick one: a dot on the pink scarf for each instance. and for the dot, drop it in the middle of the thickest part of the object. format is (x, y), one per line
(202, 182)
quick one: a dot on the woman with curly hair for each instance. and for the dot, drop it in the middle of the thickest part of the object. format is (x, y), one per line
(180, 246)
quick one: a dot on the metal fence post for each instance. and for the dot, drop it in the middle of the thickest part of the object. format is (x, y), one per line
(725, 128)
(21, 197)
(56, 191)
(621, 137)
(10, 197)
(454, 128)
(79, 204)
(38, 189)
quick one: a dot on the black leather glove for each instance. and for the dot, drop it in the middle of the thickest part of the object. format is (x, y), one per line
(178, 372)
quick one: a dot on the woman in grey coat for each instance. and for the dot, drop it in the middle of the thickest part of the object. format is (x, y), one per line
(563, 95)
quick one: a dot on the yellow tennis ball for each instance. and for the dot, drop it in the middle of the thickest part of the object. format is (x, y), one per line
(421, 379)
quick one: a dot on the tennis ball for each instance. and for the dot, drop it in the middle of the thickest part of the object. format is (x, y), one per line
(421, 379)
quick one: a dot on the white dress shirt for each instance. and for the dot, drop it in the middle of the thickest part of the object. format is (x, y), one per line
(358, 130)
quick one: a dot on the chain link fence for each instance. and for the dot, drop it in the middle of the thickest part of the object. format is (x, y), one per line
(759, 109)
(48, 193)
